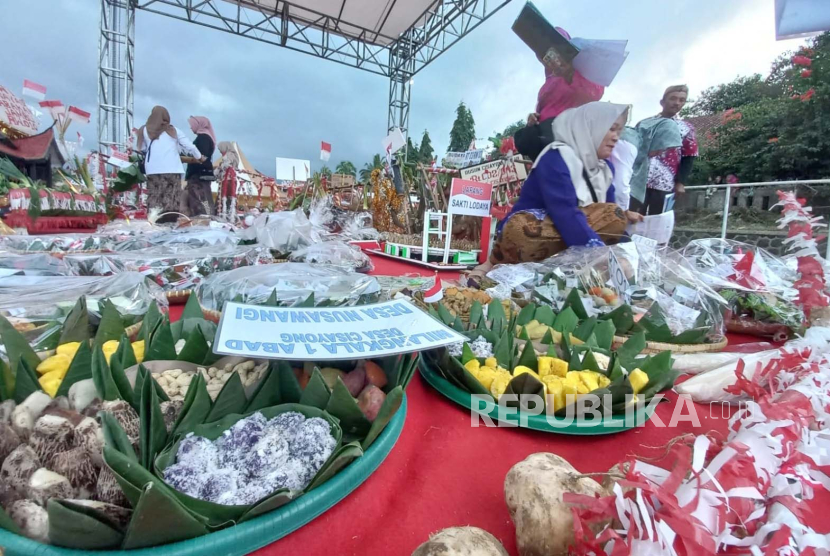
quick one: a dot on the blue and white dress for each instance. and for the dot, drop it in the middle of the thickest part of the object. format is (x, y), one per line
(557, 187)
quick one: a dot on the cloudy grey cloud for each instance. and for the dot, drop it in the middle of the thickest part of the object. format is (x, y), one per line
(276, 102)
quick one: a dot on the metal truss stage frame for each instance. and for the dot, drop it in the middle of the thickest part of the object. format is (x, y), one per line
(287, 24)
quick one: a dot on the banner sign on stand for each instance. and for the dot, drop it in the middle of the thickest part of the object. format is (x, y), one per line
(470, 198)
(329, 333)
(462, 160)
(496, 172)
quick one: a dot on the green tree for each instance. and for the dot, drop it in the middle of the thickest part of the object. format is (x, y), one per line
(785, 135)
(740, 92)
(425, 152)
(509, 131)
(325, 171)
(369, 167)
(463, 129)
(412, 153)
(346, 167)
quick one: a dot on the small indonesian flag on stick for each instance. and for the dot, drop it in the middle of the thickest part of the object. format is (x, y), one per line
(325, 151)
(78, 115)
(33, 90)
(55, 107)
(434, 294)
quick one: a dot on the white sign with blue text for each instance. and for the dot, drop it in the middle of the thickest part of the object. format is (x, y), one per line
(329, 333)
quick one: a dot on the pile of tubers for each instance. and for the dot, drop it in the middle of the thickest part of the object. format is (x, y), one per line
(533, 491)
(52, 449)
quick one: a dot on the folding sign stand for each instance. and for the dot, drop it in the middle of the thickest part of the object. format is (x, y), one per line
(440, 231)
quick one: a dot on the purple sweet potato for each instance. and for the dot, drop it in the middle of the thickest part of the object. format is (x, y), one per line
(370, 401)
(355, 381)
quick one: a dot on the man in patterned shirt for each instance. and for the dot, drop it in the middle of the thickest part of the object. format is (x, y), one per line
(665, 160)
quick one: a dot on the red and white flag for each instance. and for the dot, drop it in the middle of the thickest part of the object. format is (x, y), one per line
(80, 140)
(55, 107)
(325, 151)
(434, 294)
(78, 115)
(117, 158)
(472, 145)
(33, 90)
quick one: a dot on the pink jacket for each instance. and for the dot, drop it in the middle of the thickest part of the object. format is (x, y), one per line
(557, 95)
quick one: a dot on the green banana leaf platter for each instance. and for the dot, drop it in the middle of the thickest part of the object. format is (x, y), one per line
(542, 422)
(257, 532)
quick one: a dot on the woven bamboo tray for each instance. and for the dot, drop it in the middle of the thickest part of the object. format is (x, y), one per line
(657, 347)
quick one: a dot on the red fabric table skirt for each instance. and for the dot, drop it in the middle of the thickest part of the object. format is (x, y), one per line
(55, 224)
(444, 473)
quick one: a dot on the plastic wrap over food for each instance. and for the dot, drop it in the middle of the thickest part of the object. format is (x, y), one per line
(658, 284)
(718, 262)
(122, 229)
(58, 243)
(758, 286)
(172, 267)
(517, 277)
(33, 264)
(286, 284)
(321, 214)
(357, 226)
(282, 232)
(335, 253)
(38, 305)
(179, 240)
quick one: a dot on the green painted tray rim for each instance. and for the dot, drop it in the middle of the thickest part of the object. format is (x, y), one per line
(535, 422)
(258, 532)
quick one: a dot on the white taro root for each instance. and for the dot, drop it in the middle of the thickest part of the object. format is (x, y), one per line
(6, 409)
(461, 541)
(8, 441)
(53, 434)
(22, 422)
(533, 490)
(45, 485)
(126, 417)
(36, 403)
(78, 467)
(81, 394)
(89, 436)
(19, 466)
(32, 520)
(107, 489)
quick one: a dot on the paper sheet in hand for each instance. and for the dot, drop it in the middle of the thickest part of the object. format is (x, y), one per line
(658, 227)
(329, 333)
(599, 60)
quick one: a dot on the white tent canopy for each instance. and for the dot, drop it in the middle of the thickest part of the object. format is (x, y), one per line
(374, 21)
(801, 18)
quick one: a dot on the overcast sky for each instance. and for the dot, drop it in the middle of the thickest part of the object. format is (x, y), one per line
(277, 102)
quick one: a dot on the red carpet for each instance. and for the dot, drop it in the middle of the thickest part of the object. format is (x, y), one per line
(444, 473)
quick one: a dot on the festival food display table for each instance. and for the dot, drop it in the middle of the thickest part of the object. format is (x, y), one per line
(130, 425)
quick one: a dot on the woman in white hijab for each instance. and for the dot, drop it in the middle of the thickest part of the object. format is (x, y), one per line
(568, 198)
